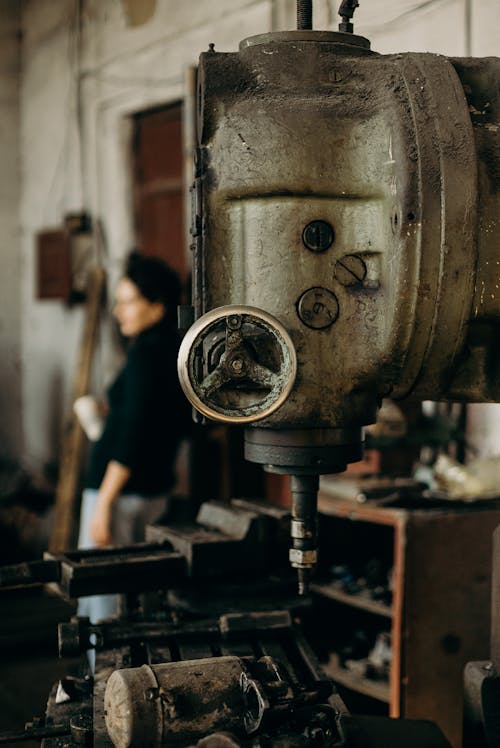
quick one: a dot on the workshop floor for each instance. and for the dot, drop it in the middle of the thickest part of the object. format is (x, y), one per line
(25, 683)
(29, 664)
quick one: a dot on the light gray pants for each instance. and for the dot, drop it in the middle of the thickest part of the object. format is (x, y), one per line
(131, 514)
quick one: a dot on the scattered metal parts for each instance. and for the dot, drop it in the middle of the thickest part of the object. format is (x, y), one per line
(82, 729)
(239, 696)
(34, 731)
(255, 701)
(232, 623)
(30, 572)
(222, 536)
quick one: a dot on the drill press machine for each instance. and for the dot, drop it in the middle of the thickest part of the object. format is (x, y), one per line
(345, 213)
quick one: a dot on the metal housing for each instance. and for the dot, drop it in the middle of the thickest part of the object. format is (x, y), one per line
(398, 156)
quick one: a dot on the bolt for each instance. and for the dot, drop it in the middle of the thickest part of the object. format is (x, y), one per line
(318, 236)
(237, 365)
(338, 76)
(350, 270)
(303, 559)
(169, 704)
(234, 322)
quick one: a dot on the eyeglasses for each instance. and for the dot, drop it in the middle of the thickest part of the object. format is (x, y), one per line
(127, 302)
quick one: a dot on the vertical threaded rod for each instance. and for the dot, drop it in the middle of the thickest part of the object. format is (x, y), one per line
(303, 553)
(304, 14)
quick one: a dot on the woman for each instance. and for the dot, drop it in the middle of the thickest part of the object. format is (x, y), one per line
(132, 465)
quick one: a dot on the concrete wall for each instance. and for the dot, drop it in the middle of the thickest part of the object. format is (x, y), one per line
(87, 66)
(449, 27)
(51, 187)
(10, 308)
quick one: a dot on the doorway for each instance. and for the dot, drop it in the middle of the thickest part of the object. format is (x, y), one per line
(159, 186)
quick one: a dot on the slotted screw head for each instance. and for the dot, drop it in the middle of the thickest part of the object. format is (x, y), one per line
(350, 270)
(318, 236)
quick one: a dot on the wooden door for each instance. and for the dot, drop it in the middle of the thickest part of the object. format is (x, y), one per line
(159, 186)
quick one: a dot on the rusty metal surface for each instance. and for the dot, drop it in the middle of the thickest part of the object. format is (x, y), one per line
(354, 197)
(476, 378)
(338, 190)
(249, 674)
(223, 537)
(177, 702)
(182, 652)
(106, 662)
(159, 704)
(126, 569)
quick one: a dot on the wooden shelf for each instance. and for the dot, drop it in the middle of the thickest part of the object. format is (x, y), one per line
(438, 567)
(375, 689)
(361, 600)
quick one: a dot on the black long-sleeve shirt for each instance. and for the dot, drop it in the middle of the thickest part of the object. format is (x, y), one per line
(148, 416)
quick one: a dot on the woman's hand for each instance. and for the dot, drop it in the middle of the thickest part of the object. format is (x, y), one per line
(115, 478)
(100, 525)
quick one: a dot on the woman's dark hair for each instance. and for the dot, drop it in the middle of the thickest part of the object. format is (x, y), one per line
(156, 281)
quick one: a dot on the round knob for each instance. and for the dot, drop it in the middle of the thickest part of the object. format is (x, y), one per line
(237, 364)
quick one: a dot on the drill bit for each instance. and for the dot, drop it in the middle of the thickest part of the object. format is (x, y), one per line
(303, 553)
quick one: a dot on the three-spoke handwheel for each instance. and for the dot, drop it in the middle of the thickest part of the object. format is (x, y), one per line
(237, 364)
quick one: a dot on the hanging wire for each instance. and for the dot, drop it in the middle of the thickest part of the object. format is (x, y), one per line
(406, 15)
(62, 154)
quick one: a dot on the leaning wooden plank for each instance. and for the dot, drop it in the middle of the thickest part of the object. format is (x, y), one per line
(72, 452)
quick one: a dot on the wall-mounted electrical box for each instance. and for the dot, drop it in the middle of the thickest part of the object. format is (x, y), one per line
(64, 257)
(53, 264)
